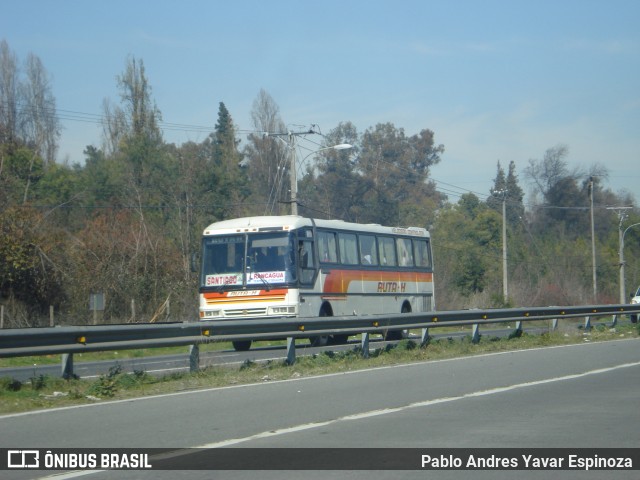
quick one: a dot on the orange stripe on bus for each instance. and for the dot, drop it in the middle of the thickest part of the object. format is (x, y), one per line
(280, 293)
(338, 280)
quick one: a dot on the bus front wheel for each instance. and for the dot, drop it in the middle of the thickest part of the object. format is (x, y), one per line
(321, 340)
(241, 345)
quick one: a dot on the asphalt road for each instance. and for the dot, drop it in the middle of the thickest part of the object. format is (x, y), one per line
(581, 396)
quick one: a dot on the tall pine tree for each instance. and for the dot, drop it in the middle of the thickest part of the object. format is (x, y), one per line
(226, 177)
(505, 186)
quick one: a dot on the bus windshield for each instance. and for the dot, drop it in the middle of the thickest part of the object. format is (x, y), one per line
(255, 259)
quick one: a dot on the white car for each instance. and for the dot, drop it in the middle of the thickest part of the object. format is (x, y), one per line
(635, 298)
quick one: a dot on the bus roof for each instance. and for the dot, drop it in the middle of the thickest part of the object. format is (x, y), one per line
(292, 222)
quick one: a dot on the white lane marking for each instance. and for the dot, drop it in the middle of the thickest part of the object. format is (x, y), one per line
(303, 379)
(425, 403)
(364, 415)
(74, 474)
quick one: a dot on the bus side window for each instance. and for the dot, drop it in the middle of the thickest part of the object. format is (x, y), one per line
(421, 248)
(405, 252)
(327, 247)
(348, 248)
(387, 251)
(368, 250)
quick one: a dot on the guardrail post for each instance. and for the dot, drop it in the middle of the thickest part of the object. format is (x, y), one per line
(194, 358)
(291, 350)
(67, 365)
(365, 345)
(424, 338)
(519, 328)
(587, 324)
(475, 335)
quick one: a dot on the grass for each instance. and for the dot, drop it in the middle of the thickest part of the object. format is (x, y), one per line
(44, 392)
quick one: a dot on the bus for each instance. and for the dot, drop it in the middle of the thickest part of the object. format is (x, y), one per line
(293, 266)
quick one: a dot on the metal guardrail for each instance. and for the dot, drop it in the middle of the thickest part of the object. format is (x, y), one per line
(68, 340)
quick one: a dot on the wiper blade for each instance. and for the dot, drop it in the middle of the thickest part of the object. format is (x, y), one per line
(267, 284)
(212, 288)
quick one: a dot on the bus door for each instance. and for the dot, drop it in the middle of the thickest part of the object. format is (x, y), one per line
(307, 263)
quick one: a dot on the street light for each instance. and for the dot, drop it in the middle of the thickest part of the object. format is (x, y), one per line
(293, 176)
(292, 169)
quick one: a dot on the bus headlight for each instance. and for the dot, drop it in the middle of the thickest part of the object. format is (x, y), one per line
(291, 310)
(206, 314)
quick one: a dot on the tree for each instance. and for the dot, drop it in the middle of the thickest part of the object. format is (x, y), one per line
(383, 179)
(515, 196)
(41, 126)
(545, 173)
(568, 206)
(331, 187)
(467, 244)
(114, 127)
(9, 96)
(225, 178)
(32, 263)
(27, 115)
(128, 257)
(398, 167)
(22, 167)
(142, 114)
(131, 130)
(267, 157)
(506, 187)
(99, 179)
(564, 211)
(193, 200)
(499, 190)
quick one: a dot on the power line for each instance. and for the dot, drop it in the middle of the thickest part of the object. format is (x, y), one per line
(100, 119)
(448, 189)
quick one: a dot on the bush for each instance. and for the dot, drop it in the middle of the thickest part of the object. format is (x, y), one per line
(106, 385)
(10, 384)
(39, 382)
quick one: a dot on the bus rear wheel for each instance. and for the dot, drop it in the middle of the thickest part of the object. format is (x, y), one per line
(340, 339)
(393, 335)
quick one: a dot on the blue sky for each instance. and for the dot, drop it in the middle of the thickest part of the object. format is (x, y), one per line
(495, 80)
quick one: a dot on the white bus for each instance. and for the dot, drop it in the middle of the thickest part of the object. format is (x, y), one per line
(283, 266)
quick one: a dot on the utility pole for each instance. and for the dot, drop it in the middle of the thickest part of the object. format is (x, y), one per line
(593, 244)
(621, 259)
(293, 175)
(622, 217)
(505, 284)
